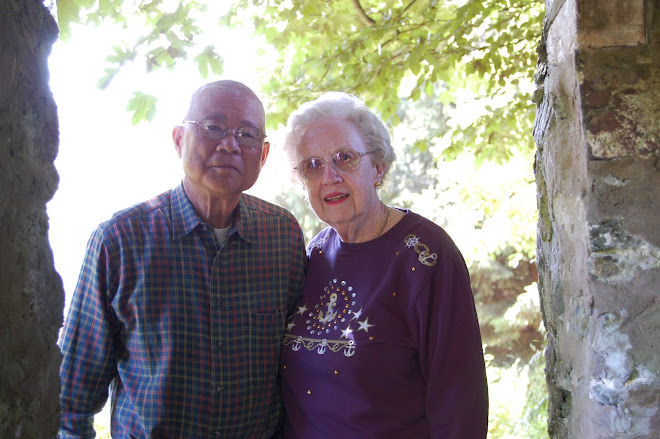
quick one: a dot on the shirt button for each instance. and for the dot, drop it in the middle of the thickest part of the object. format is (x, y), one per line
(219, 389)
(218, 302)
(219, 345)
(217, 433)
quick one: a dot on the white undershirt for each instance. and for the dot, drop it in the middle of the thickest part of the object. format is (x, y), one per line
(220, 235)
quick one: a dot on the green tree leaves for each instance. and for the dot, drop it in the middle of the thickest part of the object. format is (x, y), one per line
(68, 13)
(160, 39)
(368, 48)
(142, 106)
(209, 59)
(372, 49)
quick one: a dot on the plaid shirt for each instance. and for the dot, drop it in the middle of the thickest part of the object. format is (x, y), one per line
(186, 333)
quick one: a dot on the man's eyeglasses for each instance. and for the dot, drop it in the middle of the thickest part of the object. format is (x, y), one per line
(214, 130)
(343, 161)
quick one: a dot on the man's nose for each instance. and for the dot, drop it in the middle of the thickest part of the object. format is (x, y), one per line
(229, 144)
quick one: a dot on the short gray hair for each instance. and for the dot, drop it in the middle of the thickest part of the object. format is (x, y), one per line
(225, 86)
(342, 106)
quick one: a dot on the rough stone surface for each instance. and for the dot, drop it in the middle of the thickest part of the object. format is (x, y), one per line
(621, 101)
(32, 296)
(620, 23)
(598, 248)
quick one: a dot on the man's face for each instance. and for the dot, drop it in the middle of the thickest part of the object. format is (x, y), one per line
(220, 168)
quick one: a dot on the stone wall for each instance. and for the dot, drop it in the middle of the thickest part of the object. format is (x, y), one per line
(598, 250)
(31, 293)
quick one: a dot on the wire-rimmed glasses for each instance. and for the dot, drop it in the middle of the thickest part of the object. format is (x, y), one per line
(343, 161)
(215, 130)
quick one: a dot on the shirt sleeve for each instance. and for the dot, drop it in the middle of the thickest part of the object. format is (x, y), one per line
(88, 363)
(451, 356)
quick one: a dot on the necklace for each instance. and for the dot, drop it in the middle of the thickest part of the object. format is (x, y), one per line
(385, 217)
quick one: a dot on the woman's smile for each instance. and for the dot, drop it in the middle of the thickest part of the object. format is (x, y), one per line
(335, 198)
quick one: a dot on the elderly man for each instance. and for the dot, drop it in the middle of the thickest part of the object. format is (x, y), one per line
(182, 300)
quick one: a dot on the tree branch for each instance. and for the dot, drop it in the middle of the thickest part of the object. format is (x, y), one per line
(407, 7)
(364, 18)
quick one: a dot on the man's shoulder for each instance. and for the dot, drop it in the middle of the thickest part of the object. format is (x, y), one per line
(263, 207)
(139, 210)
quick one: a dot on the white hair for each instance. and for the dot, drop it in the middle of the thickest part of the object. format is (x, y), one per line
(339, 105)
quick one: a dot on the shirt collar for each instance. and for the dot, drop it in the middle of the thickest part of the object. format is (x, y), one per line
(244, 223)
(185, 218)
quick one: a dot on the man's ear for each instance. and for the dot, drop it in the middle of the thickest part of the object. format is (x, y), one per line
(264, 153)
(177, 135)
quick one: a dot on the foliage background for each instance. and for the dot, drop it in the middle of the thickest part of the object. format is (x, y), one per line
(454, 81)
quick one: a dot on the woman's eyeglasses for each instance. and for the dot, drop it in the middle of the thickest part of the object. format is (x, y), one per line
(343, 161)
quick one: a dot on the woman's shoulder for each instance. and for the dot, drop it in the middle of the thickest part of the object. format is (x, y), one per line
(321, 239)
(426, 237)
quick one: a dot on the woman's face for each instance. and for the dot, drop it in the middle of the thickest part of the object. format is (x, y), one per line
(346, 201)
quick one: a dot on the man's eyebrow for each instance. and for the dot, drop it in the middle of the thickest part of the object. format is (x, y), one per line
(216, 116)
(223, 118)
(249, 123)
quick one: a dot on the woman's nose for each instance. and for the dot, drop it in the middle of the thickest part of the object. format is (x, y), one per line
(330, 173)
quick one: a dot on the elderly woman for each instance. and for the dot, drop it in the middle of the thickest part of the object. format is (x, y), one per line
(385, 342)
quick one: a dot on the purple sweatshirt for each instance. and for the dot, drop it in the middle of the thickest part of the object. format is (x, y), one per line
(385, 342)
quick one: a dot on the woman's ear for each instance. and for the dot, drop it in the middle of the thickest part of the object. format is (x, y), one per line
(381, 168)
